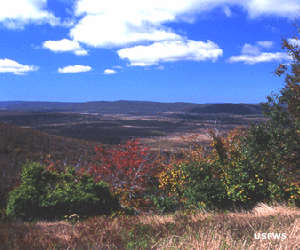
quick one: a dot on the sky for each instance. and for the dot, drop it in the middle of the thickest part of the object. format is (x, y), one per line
(198, 51)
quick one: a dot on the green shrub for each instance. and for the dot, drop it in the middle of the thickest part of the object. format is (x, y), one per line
(50, 194)
(203, 187)
(195, 184)
(164, 203)
(257, 166)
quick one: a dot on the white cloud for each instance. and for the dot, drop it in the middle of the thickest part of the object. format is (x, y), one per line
(65, 45)
(106, 31)
(16, 13)
(81, 52)
(109, 72)
(261, 58)
(227, 11)
(281, 8)
(119, 23)
(11, 66)
(139, 20)
(117, 67)
(294, 42)
(250, 49)
(265, 44)
(252, 54)
(170, 51)
(74, 69)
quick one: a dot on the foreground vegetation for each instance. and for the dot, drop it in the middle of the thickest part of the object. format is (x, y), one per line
(182, 230)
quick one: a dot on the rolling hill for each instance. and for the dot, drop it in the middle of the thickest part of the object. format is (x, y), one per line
(130, 107)
(18, 145)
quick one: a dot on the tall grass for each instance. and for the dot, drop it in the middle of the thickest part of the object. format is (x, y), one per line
(182, 230)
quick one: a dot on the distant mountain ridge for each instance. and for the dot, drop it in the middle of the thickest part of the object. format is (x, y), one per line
(238, 109)
(130, 107)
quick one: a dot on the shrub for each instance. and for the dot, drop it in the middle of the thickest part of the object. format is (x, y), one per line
(195, 183)
(203, 186)
(50, 194)
(246, 167)
(129, 168)
(165, 203)
(254, 166)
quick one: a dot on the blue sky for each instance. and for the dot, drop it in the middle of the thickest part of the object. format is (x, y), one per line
(201, 51)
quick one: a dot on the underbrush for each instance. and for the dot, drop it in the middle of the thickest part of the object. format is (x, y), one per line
(47, 193)
(180, 230)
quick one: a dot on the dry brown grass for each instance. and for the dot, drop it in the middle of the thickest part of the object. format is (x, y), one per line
(236, 230)
(182, 230)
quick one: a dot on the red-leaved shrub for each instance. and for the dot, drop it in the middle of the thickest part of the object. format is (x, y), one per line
(128, 167)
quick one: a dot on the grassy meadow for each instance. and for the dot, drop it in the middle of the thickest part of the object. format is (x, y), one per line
(180, 230)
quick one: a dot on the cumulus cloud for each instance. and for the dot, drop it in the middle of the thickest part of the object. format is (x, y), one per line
(265, 44)
(281, 8)
(80, 52)
(118, 23)
(74, 69)
(263, 57)
(109, 72)
(11, 66)
(252, 54)
(65, 45)
(170, 51)
(103, 31)
(16, 13)
(250, 49)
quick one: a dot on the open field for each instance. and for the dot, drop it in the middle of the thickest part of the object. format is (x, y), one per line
(182, 230)
(164, 131)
